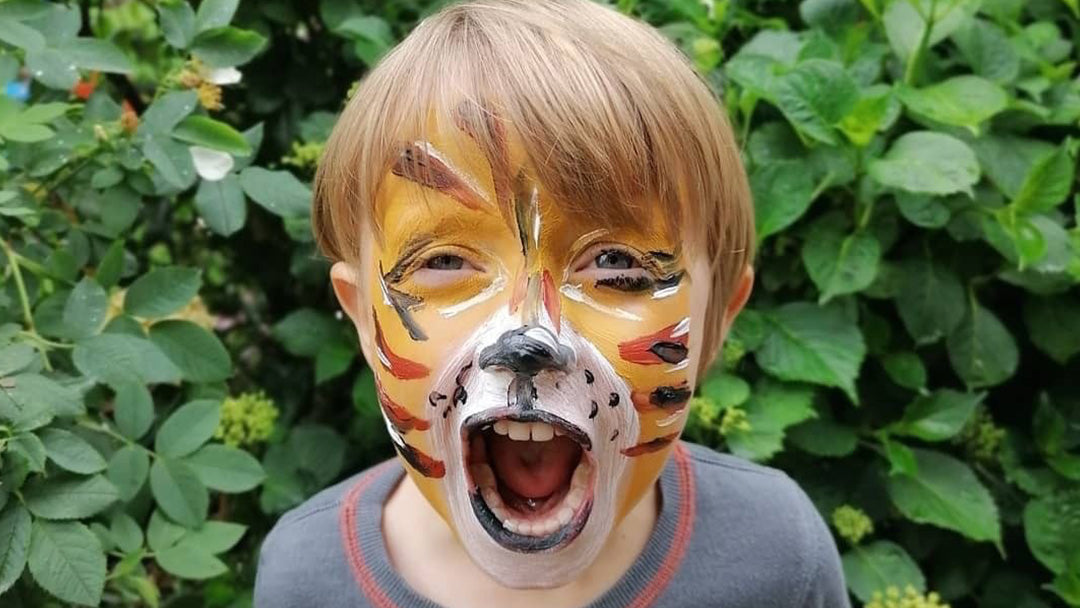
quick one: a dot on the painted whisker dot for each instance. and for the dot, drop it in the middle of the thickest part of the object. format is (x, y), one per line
(589, 377)
(594, 411)
(614, 435)
(613, 400)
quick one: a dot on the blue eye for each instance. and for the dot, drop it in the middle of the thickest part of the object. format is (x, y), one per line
(613, 259)
(445, 262)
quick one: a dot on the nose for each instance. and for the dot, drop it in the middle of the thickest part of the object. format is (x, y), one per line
(526, 351)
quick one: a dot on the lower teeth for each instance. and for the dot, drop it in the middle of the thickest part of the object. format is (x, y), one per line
(559, 516)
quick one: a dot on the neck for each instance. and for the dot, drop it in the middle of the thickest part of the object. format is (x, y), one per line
(417, 537)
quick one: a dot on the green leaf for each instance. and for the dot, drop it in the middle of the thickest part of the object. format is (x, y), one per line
(1047, 182)
(190, 426)
(930, 300)
(119, 359)
(71, 452)
(946, 493)
(68, 497)
(939, 415)
(96, 54)
(1052, 528)
(198, 353)
(823, 438)
(35, 399)
(25, 132)
(167, 112)
(226, 469)
(987, 50)
(981, 349)
(179, 492)
(783, 191)
(52, 68)
(209, 133)
(1007, 160)
(810, 343)
(279, 192)
(227, 46)
(126, 532)
(16, 357)
(840, 263)
(162, 291)
(177, 22)
(84, 311)
(815, 96)
(222, 205)
(771, 409)
(900, 457)
(923, 210)
(172, 160)
(303, 332)
(906, 369)
(927, 162)
(878, 565)
(22, 36)
(187, 560)
(962, 101)
(30, 448)
(133, 409)
(215, 536)
(128, 468)
(215, 13)
(1053, 325)
(112, 265)
(162, 533)
(14, 543)
(371, 36)
(909, 22)
(67, 560)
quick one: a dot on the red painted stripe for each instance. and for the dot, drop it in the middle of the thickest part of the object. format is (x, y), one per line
(400, 367)
(357, 564)
(400, 417)
(683, 528)
(637, 350)
(648, 447)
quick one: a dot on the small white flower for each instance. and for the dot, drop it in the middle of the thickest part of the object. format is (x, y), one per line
(211, 165)
(224, 76)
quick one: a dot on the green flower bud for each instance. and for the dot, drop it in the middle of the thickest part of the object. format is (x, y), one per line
(852, 523)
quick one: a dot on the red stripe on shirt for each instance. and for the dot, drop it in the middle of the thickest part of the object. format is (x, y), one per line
(361, 571)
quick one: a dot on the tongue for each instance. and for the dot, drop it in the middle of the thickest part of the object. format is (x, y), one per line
(533, 469)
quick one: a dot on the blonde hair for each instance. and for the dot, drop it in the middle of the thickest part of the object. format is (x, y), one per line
(609, 111)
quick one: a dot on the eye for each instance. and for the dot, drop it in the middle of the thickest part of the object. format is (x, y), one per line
(443, 269)
(614, 259)
(446, 262)
(611, 267)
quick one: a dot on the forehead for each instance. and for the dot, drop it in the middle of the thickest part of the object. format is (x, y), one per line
(469, 171)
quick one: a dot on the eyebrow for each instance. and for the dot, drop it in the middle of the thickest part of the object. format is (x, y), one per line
(421, 163)
(412, 248)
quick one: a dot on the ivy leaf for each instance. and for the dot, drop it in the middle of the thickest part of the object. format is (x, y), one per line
(1047, 182)
(179, 492)
(927, 162)
(783, 191)
(1053, 324)
(207, 132)
(226, 469)
(840, 263)
(962, 101)
(815, 96)
(162, 291)
(14, 543)
(68, 497)
(945, 493)
(279, 192)
(981, 349)
(67, 560)
(198, 353)
(879, 565)
(810, 343)
(71, 452)
(128, 469)
(221, 204)
(930, 299)
(939, 415)
(190, 426)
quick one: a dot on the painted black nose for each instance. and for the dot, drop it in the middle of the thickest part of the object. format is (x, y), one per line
(526, 351)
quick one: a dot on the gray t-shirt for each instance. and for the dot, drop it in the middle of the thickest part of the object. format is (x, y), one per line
(730, 533)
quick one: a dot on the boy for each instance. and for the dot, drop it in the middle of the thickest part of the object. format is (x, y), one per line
(542, 230)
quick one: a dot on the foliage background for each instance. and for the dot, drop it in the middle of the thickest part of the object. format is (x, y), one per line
(173, 375)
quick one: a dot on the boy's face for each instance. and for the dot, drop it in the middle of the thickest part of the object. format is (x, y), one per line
(533, 368)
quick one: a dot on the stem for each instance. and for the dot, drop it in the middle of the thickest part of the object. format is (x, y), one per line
(24, 299)
(924, 41)
(43, 341)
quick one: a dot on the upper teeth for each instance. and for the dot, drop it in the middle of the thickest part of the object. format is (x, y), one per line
(524, 431)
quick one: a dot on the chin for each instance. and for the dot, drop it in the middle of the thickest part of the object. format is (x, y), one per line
(533, 461)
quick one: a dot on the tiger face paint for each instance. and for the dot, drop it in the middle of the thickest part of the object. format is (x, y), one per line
(533, 367)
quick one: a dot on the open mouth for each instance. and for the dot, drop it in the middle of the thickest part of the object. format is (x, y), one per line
(530, 477)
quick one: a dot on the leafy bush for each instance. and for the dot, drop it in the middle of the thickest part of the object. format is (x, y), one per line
(172, 376)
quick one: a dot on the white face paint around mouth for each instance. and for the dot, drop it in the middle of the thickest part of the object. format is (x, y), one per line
(554, 546)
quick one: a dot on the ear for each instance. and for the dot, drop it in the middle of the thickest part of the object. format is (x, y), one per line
(738, 299)
(345, 279)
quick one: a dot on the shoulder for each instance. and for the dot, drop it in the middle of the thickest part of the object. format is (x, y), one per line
(760, 526)
(302, 561)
